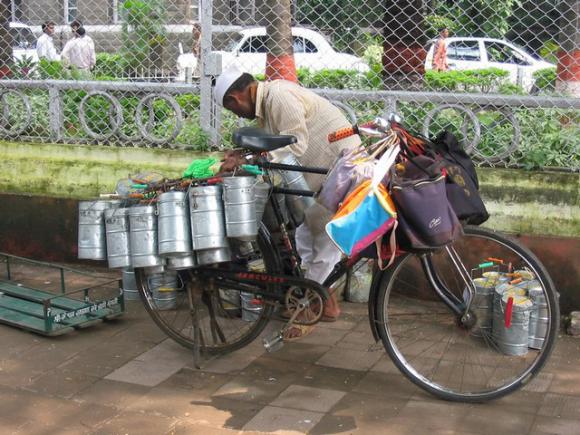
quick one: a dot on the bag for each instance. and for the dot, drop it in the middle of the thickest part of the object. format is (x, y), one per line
(426, 219)
(462, 183)
(366, 213)
(351, 168)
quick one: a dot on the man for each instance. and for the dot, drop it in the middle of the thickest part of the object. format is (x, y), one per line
(80, 51)
(45, 44)
(283, 107)
(440, 51)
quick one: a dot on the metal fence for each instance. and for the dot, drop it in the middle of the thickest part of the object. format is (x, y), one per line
(504, 74)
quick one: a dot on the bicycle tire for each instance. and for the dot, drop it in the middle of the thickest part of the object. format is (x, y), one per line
(467, 368)
(174, 323)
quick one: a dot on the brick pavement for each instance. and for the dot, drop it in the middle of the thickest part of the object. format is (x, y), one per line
(125, 377)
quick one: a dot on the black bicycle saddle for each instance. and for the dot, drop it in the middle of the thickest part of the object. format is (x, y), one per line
(257, 140)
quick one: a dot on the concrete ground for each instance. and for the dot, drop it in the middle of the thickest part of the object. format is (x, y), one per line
(126, 377)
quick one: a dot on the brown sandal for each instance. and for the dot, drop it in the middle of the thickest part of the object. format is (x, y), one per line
(303, 331)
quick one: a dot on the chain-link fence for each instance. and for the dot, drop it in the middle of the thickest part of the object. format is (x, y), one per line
(502, 74)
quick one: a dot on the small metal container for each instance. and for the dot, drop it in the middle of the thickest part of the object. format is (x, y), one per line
(92, 240)
(539, 316)
(174, 224)
(213, 256)
(482, 306)
(186, 261)
(163, 288)
(143, 236)
(130, 290)
(262, 193)
(251, 307)
(240, 208)
(512, 340)
(206, 208)
(117, 234)
(295, 180)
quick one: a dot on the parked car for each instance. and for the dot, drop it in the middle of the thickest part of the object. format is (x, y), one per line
(478, 53)
(24, 42)
(247, 50)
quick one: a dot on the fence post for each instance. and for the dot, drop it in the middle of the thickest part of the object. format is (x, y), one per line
(55, 113)
(210, 114)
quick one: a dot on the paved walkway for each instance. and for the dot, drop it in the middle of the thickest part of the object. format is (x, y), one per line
(125, 377)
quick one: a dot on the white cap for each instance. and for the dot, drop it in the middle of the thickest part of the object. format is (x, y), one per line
(223, 83)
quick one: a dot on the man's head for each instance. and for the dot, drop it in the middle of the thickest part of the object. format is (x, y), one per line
(75, 25)
(444, 32)
(235, 90)
(80, 32)
(48, 28)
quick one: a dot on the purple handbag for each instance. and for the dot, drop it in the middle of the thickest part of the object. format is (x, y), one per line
(426, 219)
(351, 168)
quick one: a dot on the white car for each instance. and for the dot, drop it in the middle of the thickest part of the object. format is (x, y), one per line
(479, 53)
(24, 42)
(247, 50)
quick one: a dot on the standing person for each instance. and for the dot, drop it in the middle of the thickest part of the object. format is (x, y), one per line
(196, 48)
(283, 107)
(440, 51)
(80, 51)
(45, 44)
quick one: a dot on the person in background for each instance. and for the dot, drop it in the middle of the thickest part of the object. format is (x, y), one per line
(45, 44)
(80, 51)
(196, 48)
(440, 51)
(284, 107)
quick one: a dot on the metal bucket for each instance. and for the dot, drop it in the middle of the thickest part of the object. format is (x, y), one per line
(240, 208)
(206, 209)
(262, 193)
(186, 261)
(539, 316)
(163, 288)
(251, 308)
(143, 236)
(482, 306)
(212, 256)
(92, 240)
(295, 180)
(117, 235)
(512, 340)
(130, 291)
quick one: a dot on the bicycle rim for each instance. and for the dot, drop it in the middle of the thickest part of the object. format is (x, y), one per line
(226, 323)
(426, 342)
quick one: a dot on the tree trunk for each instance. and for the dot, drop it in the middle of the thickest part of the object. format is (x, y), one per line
(280, 59)
(568, 79)
(6, 42)
(404, 47)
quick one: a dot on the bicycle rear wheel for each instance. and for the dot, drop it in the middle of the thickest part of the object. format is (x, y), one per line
(225, 325)
(430, 346)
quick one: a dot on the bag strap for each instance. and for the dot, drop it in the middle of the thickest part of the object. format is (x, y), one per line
(392, 247)
(383, 165)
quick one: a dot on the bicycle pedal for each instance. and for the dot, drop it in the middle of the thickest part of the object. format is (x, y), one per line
(274, 343)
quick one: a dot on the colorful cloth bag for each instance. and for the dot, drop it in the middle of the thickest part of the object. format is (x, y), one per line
(367, 213)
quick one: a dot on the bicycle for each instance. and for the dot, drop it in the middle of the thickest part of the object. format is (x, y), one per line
(425, 308)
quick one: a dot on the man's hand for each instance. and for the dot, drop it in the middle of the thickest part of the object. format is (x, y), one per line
(233, 159)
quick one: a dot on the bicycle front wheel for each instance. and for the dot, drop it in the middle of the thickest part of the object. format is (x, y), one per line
(493, 356)
(228, 318)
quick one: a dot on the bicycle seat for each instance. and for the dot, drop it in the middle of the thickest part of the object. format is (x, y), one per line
(257, 140)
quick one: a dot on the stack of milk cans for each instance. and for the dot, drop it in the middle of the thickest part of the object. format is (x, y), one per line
(179, 230)
(511, 308)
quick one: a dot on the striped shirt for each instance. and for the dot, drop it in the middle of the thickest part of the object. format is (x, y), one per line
(283, 107)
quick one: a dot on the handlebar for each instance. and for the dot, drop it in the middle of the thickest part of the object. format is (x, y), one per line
(377, 128)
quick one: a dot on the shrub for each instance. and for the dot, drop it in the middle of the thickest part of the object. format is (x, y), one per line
(478, 80)
(110, 66)
(545, 79)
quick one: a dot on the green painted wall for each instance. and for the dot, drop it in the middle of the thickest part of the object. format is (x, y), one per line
(540, 203)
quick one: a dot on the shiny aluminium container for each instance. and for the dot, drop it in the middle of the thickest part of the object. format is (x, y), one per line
(143, 237)
(117, 235)
(174, 238)
(512, 339)
(240, 207)
(206, 208)
(297, 205)
(91, 231)
(539, 315)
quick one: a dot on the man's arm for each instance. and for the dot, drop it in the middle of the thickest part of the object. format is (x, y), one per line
(288, 117)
